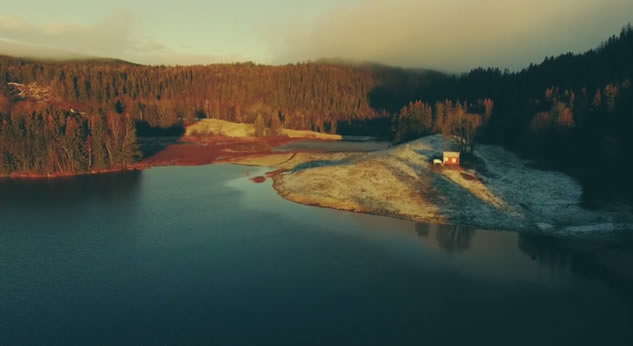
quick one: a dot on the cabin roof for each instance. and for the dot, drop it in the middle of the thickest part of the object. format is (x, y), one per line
(451, 154)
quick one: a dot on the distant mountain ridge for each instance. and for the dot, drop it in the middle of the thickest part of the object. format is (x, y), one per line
(11, 49)
(24, 50)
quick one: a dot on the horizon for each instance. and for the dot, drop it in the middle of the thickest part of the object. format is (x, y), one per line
(474, 34)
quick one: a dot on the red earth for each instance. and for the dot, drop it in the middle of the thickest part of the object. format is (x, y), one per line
(259, 180)
(193, 151)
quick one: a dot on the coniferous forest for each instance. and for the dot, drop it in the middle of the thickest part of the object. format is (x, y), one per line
(68, 117)
(39, 139)
(573, 112)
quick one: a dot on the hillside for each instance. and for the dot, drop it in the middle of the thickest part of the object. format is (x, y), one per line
(304, 96)
(501, 192)
(573, 113)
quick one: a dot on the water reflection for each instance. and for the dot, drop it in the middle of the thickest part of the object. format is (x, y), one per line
(422, 230)
(179, 250)
(607, 258)
(455, 240)
(450, 239)
(547, 250)
(69, 192)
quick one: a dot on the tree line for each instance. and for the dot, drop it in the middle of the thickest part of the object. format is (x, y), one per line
(461, 120)
(573, 112)
(41, 139)
(304, 96)
(78, 116)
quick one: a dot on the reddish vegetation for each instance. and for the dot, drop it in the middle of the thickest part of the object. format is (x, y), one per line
(259, 180)
(192, 151)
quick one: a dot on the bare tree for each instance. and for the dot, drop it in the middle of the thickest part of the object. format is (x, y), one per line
(465, 126)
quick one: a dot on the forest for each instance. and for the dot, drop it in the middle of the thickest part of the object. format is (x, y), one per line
(38, 139)
(78, 116)
(573, 112)
(305, 96)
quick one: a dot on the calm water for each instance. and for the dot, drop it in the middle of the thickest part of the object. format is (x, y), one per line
(201, 255)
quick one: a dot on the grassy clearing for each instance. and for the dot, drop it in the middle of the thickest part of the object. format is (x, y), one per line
(215, 127)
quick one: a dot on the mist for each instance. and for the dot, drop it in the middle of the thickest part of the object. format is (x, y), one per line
(118, 34)
(113, 36)
(446, 35)
(451, 35)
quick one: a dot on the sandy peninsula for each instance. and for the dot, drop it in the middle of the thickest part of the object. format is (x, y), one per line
(499, 191)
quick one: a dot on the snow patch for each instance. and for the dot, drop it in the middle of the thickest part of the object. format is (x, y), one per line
(504, 192)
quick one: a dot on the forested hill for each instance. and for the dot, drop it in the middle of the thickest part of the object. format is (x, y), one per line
(305, 96)
(572, 112)
(75, 116)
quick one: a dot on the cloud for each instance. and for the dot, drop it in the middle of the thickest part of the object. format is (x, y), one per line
(117, 35)
(451, 34)
(169, 57)
(14, 48)
(114, 35)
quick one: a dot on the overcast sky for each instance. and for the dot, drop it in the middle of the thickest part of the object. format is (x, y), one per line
(450, 35)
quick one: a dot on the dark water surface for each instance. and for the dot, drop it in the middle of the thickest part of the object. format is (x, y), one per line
(201, 255)
(333, 146)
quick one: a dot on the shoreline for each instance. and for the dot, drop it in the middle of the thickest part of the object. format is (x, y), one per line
(499, 191)
(52, 176)
(187, 151)
(338, 207)
(206, 142)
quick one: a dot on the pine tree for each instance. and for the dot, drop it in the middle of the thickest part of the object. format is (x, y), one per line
(129, 147)
(98, 133)
(275, 125)
(597, 99)
(73, 145)
(260, 128)
(426, 118)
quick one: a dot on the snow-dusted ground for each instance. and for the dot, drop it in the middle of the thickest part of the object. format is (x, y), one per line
(505, 193)
(547, 199)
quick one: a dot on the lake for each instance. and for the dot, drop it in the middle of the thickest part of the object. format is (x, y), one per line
(202, 255)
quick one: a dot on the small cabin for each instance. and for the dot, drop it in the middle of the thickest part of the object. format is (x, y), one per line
(451, 158)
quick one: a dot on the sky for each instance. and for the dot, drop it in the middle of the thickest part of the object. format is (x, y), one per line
(447, 35)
